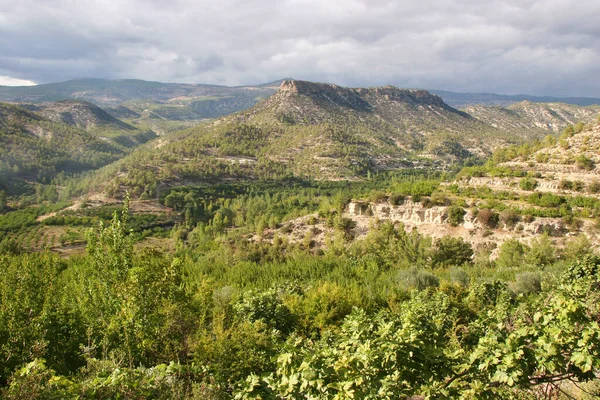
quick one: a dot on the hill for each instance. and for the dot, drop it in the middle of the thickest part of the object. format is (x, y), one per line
(151, 103)
(320, 131)
(82, 114)
(36, 148)
(527, 115)
(93, 119)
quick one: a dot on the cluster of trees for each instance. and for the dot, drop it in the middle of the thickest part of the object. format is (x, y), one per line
(394, 315)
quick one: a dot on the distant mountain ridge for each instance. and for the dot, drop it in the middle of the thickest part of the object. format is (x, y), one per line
(200, 101)
(173, 101)
(462, 100)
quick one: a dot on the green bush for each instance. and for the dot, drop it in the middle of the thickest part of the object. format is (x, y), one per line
(528, 283)
(460, 277)
(565, 184)
(594, 187)
(512, 254)
(451, 251)
(585, 163)
(455, 215)
(509, 217)
(528, 183)
(414, 278)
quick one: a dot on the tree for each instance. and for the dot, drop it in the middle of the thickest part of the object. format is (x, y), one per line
(134, 306)
(451, 251)
(528, 183)
(512, 253)
(488, 218)
(455, 215)
(2, 200)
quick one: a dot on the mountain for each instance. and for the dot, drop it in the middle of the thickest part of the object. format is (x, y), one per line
(319, 131)
(93, 119)
(527, 115)
(33, 147)
(462, 100)
(81, 114)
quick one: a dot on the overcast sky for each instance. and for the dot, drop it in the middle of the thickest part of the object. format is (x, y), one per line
(544, 47)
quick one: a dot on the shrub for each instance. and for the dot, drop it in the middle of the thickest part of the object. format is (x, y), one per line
(585, 163)
(578, 127)
(377, 196)
(528, 283)
(528, 183)
(511, 254)
(267, 307)
(456, 215)
(573, 223)
(459, 276)
(509, 217)
(396, 199)
(451, 251)
(488, 218)
(594, 187)
(565, 184)
(578, 186)
(542, 252)
(528, 218)
(426, 202)
(415, 278)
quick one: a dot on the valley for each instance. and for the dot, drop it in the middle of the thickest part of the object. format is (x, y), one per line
(217, 243)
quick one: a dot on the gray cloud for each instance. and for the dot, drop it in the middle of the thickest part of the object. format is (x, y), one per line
(506, 46)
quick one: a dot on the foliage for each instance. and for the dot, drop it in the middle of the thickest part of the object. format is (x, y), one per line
(451, 251)
(585, 163)
(455, 215)
(528, 183)
(488, 218)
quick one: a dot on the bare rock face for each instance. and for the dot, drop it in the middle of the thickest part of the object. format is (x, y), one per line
(362, 98)
(433, 221)
(409, 212)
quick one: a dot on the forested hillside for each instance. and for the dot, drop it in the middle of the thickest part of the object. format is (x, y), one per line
(64, 138)
(318, 131)
(174, 101)
(37, 148)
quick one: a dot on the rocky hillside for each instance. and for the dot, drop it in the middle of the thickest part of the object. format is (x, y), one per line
(535, 117)
(545, 194)
(93, 119)
(36, 148)
(81, 114)
(326, 132)
(319, 131)
(435, 221)
(564, 166)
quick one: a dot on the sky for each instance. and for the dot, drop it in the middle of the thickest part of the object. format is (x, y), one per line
(540, 47)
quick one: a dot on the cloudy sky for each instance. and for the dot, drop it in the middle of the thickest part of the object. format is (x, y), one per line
(544, 47)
